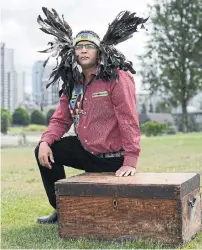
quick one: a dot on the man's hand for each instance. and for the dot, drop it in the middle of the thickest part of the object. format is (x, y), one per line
(125, 171)
(45, 153)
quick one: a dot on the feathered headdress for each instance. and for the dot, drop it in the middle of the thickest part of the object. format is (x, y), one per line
(121, 29)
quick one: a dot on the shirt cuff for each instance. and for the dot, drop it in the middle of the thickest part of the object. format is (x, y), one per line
(46, 139)
(130, 161)
(43, 141)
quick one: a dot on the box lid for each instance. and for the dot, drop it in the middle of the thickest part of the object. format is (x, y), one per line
(141, 185)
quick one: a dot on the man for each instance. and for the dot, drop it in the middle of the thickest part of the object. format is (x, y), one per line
(105, 121)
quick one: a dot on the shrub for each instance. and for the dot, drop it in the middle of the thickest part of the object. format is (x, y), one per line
(171, 130)
(21, 117)
(193, 124)
(153, 128)
(5, 111)
(34, 128)
(37, 117)
(49, 115)
(4, 123)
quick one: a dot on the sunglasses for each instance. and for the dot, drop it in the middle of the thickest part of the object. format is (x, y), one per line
(88, 46)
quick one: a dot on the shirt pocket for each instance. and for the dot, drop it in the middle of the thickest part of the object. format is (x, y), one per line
(99, 99)
(101, 105)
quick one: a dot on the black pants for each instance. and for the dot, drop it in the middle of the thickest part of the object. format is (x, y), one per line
(68, 151)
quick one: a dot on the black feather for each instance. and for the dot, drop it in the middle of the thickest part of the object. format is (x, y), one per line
(110, 60)
(46, 61)
(122, 28)
(61, 48)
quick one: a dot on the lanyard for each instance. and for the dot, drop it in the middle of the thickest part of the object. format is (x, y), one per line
(81, 111)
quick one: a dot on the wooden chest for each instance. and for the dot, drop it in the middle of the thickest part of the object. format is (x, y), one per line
(163, 207)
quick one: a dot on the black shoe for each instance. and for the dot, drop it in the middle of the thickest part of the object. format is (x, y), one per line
(51, 219)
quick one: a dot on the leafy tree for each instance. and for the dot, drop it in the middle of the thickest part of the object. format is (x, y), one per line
(151, 110)
(173, 61)
(37, 117)
(49, 115)
(5, 111)
(4, 123)
(21, 117)
(162, 107)
(144, 109)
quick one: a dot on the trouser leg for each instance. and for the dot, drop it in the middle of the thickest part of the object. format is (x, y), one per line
(49, 177)
(68, 151)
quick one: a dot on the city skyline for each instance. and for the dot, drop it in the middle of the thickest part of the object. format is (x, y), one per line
(20, 31)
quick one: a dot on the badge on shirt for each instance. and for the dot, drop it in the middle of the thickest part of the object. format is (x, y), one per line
(103, 93)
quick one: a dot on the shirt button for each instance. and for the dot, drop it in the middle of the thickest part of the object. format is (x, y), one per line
(84, 127)
(92, 152)
(85, 99)
(86, 141)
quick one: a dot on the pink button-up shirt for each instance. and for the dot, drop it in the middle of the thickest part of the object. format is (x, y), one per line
(109, 121)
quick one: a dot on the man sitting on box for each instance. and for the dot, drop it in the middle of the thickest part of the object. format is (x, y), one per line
(99, 100)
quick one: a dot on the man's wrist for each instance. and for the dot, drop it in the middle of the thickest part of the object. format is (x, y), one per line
(43, 142)
(130, 161)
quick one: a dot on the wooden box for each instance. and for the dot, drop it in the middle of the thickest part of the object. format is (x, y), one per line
(163, 207)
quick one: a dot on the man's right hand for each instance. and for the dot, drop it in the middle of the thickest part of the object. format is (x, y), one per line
(45, 153)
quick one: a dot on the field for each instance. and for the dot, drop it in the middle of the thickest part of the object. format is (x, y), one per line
(24, 199)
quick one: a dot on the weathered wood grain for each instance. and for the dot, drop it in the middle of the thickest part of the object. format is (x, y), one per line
(97, 217)
(109, 209)
(191, 216)
(142, 185)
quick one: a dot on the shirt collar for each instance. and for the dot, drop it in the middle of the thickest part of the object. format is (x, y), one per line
(93, 73)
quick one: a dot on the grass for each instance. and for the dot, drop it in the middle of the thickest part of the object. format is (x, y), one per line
(29, 128)
(24, 199)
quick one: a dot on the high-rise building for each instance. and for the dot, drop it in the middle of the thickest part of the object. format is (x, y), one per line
(20, 91)
(2, 72)
(37, 88)
(51, 94)
(43, 97)
(8, 78)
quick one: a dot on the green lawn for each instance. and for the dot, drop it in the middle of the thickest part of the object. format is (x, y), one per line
(29, 128)
(23, 196)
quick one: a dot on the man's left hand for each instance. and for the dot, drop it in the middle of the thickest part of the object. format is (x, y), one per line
(125, 171)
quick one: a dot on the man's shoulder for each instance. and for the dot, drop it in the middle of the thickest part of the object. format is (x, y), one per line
(124, 74)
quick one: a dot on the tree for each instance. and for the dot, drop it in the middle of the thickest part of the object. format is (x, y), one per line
(151, 110)
(4, 123)
(6, 112)
(162, 107)
(200, 105)
(37, 117)
(172, 63)
(49, 115)
(21, 117)
(144, 109)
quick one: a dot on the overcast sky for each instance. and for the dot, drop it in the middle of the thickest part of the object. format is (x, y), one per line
(20, 30)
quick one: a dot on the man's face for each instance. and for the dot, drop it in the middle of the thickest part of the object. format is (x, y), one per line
(86, 53)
